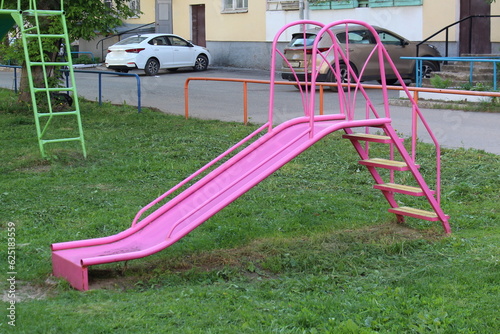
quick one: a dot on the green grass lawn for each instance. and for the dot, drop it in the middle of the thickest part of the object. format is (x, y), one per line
(312, 249)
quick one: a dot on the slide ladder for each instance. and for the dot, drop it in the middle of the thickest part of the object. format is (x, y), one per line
(405, 164)
(254, 158)
(400, 158)
(49, 100)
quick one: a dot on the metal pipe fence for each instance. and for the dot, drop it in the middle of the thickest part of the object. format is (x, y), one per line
(471, 60)
(99, 86)
(15, 67)
(322, 85)
(99, 73)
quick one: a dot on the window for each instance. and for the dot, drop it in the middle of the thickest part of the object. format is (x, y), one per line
(387, 38)
(390, 3)
(356, 37)
(302, 39)
(333, 4)
(235, 6)
(176, 41)
(131, 40)
(135, 6)
(161, 40)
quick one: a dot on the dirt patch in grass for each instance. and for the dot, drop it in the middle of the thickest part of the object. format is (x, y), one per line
(245, 260)
(25, 292)
(111, 279)
(399, 232)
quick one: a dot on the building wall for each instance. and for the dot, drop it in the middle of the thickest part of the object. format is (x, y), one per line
(148, 13)
(248, 26)
(244, 39)
(495, 26)
(235, 40)
(405, 21)
(437, 15)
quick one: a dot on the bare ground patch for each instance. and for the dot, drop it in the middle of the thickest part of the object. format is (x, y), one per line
(126, 275)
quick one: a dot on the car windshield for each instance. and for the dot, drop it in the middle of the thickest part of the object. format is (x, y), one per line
(302, 39)
(131, 40)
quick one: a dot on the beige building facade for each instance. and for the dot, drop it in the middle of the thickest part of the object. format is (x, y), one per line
(239, 32)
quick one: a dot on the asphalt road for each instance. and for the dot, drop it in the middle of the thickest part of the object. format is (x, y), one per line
(224, 101)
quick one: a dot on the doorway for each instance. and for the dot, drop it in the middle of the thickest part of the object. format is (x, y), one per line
(198, 31)
(164, 16)
(475, 33)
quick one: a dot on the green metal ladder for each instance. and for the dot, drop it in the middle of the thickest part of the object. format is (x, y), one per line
(43, 107)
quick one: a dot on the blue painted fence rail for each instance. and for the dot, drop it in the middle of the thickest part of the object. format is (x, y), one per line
(419, 65)
(15, 67)
(99, 73)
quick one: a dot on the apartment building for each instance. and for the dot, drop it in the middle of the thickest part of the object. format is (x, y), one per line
(239, 32)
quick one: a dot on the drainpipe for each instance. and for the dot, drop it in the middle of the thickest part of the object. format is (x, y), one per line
(304, 10)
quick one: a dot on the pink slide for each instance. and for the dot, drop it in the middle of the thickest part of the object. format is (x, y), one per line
(196, 204)
(277, 146)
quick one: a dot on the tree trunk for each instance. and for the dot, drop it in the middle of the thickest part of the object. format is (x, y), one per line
(38, 79)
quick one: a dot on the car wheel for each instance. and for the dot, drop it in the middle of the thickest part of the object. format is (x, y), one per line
(152, 66)
(302, 87)
(427, 68)
(344, 76)
(390, 82)
(201, 63)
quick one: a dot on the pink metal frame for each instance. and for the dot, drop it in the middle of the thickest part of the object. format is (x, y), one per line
(248, 162)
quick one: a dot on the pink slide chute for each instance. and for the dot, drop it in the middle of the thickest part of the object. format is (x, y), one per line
(195, 205)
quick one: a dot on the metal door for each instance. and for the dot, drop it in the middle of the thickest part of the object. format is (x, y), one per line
(198, 25)
(164, 16)
(475, 32)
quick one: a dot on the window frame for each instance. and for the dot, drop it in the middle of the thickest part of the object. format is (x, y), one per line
(334, 4)
(394, 3)
(233, 7)
(136, 9)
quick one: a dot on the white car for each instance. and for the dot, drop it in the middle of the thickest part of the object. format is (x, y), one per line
(152, 52)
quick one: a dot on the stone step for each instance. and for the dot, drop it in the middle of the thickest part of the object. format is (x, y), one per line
(484, 55)
(459, 72)
(464, 76)
(465, 67)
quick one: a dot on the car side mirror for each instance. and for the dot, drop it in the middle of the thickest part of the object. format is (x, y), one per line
(404, 43)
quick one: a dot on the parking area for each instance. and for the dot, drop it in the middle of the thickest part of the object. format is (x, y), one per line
(224, 101)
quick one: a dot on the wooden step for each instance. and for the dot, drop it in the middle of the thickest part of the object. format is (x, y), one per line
(385, 163)
(369, 137)
(416, 213)
(401, 188)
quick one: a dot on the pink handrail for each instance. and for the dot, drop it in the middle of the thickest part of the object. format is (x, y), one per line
(200, 171)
